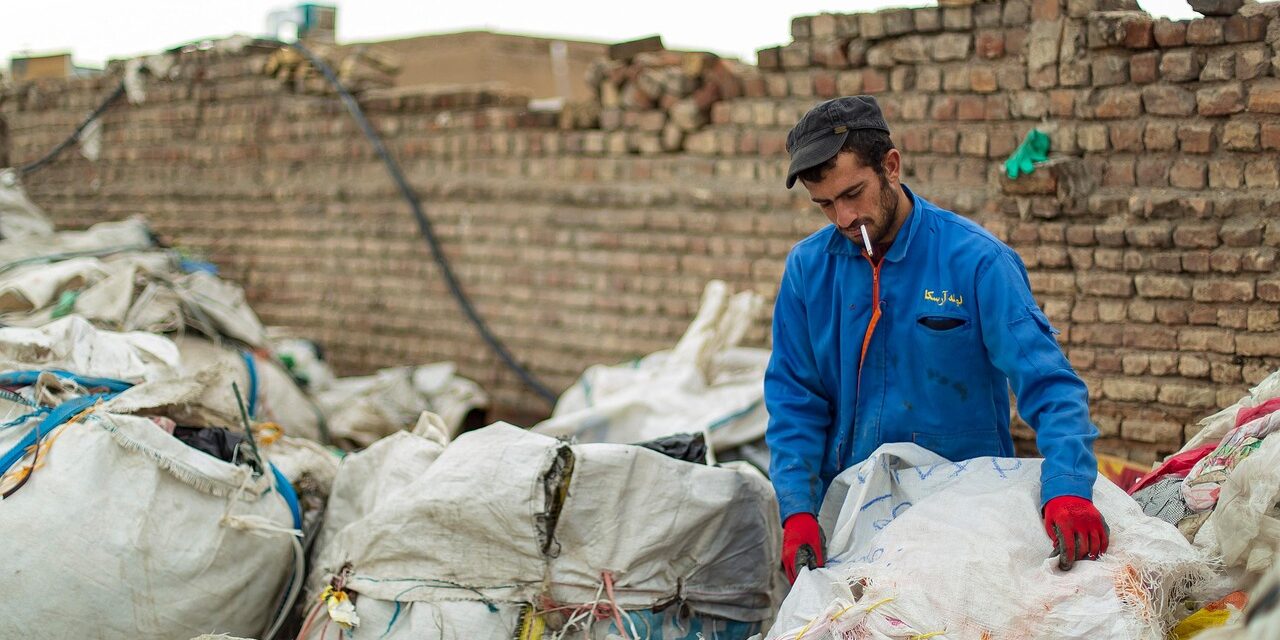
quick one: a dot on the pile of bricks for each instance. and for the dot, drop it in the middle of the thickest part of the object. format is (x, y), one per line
(666, 94)
(359, 67)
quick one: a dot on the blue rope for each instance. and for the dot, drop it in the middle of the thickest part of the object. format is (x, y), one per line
(252, 367)
(25, 378)
(23, 418)
(290, 496)
(56, 417)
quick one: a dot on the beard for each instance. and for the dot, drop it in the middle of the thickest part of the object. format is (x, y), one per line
(878, 230)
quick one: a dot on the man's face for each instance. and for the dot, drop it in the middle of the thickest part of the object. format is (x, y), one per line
(852, 194)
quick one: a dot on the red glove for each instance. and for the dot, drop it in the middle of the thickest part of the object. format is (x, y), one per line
(802, 543)
(1076, 528)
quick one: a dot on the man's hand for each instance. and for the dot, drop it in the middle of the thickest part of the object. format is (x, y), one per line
(1076, 528)
(801, 544)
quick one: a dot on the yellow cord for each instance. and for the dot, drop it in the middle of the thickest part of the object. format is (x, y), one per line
(925, 636)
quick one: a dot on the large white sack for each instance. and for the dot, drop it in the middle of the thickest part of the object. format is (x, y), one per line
(73, 344)
(365, 480)
(361, 410)
(100, 239)
(19, 216)
(485, 522)
(218, 307)
(958, 549)
(123, 531)
(705, 384)
(456, 620)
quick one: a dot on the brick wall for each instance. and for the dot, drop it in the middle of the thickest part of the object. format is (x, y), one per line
(1151, 237)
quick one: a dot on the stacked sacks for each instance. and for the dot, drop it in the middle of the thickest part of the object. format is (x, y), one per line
(924, 547)
(706, 384)
(506, 531)
(133, 523)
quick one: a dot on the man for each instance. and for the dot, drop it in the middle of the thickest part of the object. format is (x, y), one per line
(913, 332)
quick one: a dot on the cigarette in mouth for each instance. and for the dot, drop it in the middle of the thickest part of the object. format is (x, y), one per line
(865, 240)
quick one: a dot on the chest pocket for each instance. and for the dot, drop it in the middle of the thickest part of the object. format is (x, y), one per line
(944, 336)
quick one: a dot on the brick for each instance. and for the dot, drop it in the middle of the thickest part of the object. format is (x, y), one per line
(970, 108)
(1196, 138)
(1242, 233)
(1129, 390)
(1205, 340)
(983, 80)
(1045, 9)
(1180, 65)
(1181, 395)
(1160, 136)
(1262, 174)
(1240, 136)
(1196, 236)
(1258, 344)
(898, 21)
(1092, 137)
(1264, 97)
(1150, 286)
(1168, 100)
(1149, 235)
(1160, 364)
(1152, 171)
(1190, 366)
(1259, 259)
(1131, 29)
(1270, 136)
(1108, 284)
(989, 44)
(1126, 137)
(950, 46)
(957, 18)
(1223, 291)
(1263, 320)
(1188, 174)
(1151, 429)
(1205, 31)
(1222, 100)
(973, 143)
(1269, 289)
(1233, 317)
(855, 54)
(871, 26)
(1224, 261)
(849, 83)
(874, 81)
(1118, 172)
(1216, 7)
(1252, 61)
(1143, 67)
(1195, 262)
(1110, 70)
(927, 19)
(1169, 34)
(1015, 13)
(1226, 173)
(1118, 102)
(1218, 66)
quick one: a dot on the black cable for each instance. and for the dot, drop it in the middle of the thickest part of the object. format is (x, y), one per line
(424, 226)
(29, 168)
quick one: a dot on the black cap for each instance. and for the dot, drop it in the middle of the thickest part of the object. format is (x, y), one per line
(821, 132)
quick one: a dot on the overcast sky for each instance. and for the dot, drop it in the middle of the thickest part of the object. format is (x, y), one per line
(94, 30)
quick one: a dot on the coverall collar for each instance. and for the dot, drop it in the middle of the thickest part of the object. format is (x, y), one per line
(842, 246)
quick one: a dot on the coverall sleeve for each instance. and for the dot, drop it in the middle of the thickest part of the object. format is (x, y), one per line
(799, 409)
(1050, 396)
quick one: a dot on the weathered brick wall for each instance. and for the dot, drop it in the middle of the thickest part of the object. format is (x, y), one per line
(1151, 238)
